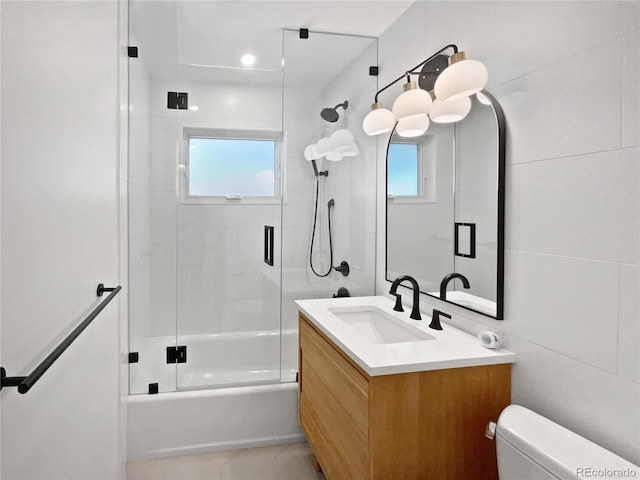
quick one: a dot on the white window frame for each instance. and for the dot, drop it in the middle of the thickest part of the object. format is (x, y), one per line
(277, 136)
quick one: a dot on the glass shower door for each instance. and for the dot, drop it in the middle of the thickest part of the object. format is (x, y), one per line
(222, 199)
(312, 84)
(228, 204)
(151, 193)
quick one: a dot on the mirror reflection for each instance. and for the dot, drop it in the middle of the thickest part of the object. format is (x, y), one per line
(445, 215)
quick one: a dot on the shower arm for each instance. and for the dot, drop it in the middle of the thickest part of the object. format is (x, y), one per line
(342, 105)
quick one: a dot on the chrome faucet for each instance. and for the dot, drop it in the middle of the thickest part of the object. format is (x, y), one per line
(415, 310)
(447, 279)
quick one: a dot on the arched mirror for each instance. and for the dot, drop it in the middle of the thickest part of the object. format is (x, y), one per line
(445, 208)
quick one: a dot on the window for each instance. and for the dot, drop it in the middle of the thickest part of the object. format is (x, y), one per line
(235, 165)
(411, 170)
(402, 169)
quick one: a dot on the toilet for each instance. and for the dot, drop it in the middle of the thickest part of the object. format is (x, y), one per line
(532, 447)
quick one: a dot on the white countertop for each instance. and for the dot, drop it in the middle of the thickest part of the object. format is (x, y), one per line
(450, 348)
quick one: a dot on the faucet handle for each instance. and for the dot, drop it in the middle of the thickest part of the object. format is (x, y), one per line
(435, 319)
(398, 306)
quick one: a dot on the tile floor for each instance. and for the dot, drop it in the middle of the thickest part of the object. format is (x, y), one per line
(277, 462)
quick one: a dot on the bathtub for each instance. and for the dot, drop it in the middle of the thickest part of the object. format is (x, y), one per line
(228, 395)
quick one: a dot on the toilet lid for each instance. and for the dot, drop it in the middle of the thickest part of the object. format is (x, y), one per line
(561, 451)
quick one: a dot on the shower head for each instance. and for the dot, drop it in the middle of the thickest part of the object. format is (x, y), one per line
(331, 203)
(331, 114)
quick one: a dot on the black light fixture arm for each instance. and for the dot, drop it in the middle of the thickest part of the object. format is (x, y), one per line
(414, 71)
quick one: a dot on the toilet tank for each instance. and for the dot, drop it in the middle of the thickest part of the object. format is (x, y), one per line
(532, 447)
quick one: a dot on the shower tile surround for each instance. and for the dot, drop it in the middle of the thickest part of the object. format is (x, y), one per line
(572, 270)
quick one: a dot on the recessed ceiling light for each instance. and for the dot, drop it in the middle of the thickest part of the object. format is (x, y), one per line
(194, 108)
(248, 59)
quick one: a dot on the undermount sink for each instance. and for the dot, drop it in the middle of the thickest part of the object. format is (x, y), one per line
(377, 326)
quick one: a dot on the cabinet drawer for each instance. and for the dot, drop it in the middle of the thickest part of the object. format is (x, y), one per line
(333, 407)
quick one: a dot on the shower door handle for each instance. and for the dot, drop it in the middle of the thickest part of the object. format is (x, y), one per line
(268, 245)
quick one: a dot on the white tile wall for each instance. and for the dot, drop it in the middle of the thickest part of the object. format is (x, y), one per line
(162, 173)
(566, 304)
(629, 327)
(581, 206)
(558, 110)
(162, 300)
(596, 404)
(630, 95)
(563, 29)
(570, 93)
(162, 228)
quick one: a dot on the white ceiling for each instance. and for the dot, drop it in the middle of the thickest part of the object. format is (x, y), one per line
(217, 33)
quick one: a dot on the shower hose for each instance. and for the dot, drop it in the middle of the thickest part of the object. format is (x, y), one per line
(313, 233)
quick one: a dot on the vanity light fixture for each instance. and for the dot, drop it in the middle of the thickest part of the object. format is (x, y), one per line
(445, 84)
(449, 112)
(413, 103)
(461, 79)
(412, 127)
(379, 120)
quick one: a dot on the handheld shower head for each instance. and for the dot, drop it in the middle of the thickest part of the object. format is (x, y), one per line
(331, 114)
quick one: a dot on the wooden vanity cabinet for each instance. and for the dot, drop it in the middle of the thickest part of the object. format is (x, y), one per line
(421, 425)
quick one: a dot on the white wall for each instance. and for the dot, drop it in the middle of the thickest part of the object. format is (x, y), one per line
(60, 236)
(566, 74)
